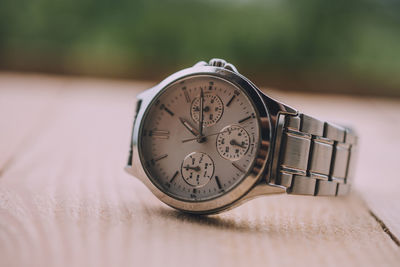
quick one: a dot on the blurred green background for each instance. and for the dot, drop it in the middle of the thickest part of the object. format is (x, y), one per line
(345, 46)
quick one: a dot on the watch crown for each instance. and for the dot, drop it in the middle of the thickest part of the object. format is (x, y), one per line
(217, 62)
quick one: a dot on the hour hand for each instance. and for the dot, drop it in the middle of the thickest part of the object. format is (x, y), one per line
(189, 127)
(235, 143)
(197, 168)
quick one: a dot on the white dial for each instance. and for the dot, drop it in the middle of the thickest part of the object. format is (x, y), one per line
(170, 129)
(212, 109)
(233, 142)
(197, 169)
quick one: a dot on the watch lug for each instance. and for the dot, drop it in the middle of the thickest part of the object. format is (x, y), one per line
(275, 107)
(277, 113)
(262, 189)
(135, 173)
(146, 95)
(130, 170)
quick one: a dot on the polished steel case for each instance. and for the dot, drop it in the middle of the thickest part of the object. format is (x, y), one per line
(256, 183)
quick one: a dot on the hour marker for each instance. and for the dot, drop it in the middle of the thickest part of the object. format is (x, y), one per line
(238, 167)
(167, 110)
(230, 100)
(159, 134)
(173, 176)
(211, 85)
(185, 92)
(218, 182)
(160, 157)
(244, 119)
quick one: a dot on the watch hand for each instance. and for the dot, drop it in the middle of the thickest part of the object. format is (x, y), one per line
(197, 168)
(234, 143)
(201, 114)
(189, 127)
(203, 137)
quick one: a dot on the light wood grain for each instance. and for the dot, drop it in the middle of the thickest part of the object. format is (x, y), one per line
(66, 201)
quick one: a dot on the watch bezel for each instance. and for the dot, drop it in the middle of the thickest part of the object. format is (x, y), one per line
(235, 194)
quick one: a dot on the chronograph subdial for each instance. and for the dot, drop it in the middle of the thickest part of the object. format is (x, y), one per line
(233, 142)
(197, 169)
(212, 109)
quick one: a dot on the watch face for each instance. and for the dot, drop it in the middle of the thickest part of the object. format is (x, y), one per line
(199, 138)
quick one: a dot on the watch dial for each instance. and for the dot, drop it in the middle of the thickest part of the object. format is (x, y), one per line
(199, 138)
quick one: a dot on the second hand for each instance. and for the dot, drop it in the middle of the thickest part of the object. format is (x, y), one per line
(192, 139)
(201, 114)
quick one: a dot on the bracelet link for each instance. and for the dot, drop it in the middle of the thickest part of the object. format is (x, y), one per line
(315, 157)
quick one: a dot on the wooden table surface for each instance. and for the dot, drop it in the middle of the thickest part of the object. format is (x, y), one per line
(66, 201)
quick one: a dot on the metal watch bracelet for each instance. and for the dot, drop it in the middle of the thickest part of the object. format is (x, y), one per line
(313, 157)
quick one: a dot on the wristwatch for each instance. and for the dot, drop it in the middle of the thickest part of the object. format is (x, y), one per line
(206, 139)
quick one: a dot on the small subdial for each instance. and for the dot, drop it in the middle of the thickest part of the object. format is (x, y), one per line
(233, 142)
(197, 169)
(212, 109)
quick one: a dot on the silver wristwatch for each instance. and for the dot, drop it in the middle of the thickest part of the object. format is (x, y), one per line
(206, 139)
